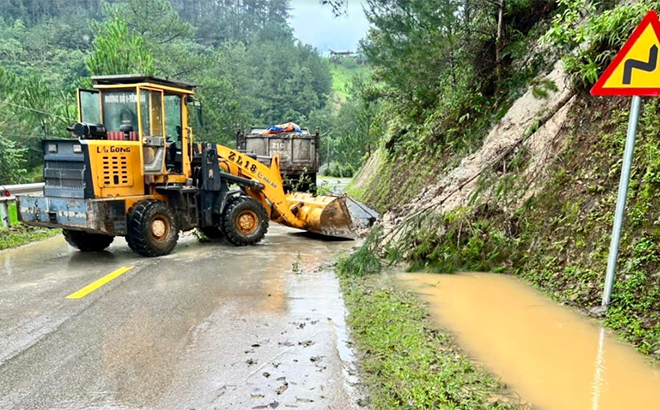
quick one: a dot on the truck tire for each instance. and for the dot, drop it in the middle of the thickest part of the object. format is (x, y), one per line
(244, 221)
(87, 242)
(152, 229)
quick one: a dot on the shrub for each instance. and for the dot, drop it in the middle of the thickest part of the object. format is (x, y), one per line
(365, 260)
(339, 171)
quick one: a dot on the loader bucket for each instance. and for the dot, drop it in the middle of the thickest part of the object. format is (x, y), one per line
(337, 216)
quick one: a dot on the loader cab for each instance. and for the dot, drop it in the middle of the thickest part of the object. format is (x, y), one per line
(148, 113)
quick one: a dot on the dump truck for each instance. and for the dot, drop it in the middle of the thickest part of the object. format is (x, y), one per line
(298, 154)
(135, 170)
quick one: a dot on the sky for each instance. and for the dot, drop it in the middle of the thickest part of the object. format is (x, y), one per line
(316, 25)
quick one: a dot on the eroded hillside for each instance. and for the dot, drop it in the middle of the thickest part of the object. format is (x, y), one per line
(536, 195)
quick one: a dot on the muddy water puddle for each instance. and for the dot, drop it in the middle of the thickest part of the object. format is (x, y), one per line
(554, 357)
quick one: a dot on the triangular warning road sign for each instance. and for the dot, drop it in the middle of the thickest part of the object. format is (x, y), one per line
(636, 68)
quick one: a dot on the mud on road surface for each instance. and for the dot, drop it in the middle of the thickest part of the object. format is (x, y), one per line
(209, 327)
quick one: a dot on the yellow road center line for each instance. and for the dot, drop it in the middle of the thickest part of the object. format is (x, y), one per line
(97, 284)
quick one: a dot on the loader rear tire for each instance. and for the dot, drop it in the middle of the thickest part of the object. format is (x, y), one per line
(152, 229)
(245, 221)
(87, 242)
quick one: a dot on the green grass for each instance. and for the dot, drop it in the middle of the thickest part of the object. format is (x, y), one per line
(341, 77)
(355, 193)
(13, 213)
(20, 234)
(405, 362)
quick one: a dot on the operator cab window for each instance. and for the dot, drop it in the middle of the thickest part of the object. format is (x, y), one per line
(151, 105)
(173, 132)
(152, 112)
(173, 118)
(90, 112)
(120, 109)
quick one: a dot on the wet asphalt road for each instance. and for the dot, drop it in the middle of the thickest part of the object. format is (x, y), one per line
(211, 326)
(334, 185)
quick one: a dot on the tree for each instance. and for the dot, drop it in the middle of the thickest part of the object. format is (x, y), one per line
(242, 53)
(12, 162)
(34, 12)
(231, 20)
(414, 46)
(290, 87)
(33, 110)
(54, 49)
(229, 93)
(435, 53)
(154, 20)
(338, 6)
(166, 36)
(118, 50)
(356, 128)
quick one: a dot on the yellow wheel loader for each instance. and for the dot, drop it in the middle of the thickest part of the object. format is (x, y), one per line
(134, 170)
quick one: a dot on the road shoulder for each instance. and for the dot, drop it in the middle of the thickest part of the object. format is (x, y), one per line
(405, 362)
(19, 235)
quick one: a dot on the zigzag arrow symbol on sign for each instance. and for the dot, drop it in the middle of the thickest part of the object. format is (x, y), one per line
(649, 66)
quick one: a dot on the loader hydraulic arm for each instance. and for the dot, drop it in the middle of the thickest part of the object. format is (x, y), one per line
(329, 215)
(272, 196)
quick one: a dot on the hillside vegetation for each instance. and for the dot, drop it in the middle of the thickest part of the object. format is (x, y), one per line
(232, 50)
(345, 70)
(498, 159)
(251, 69)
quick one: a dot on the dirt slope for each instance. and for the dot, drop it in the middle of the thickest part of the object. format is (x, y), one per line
(532, 125)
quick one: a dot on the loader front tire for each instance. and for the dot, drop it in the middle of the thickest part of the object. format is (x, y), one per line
(152, 229)
(87, 242)
(244, 221)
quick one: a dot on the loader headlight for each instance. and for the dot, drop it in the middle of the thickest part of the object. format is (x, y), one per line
(52, 148)
(77, 149)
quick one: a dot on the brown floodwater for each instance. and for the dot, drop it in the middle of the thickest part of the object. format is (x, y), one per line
(553, 356)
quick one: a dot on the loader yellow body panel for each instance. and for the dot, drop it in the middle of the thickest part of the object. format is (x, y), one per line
(327, 215)
(116, 168)
(135, 148)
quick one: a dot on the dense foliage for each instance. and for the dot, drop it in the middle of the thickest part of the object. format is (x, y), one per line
(448, 68)
(118, 50)
(601, 32)
(11, 161)
(559, 238)
(251, 69)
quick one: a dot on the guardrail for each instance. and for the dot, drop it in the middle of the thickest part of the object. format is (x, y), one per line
(8, 194)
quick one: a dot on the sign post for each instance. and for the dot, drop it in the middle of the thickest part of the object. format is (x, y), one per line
(634, 72)
(621, 199)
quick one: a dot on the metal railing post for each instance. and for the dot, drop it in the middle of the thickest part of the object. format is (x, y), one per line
(7, 195)
(4, 214)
